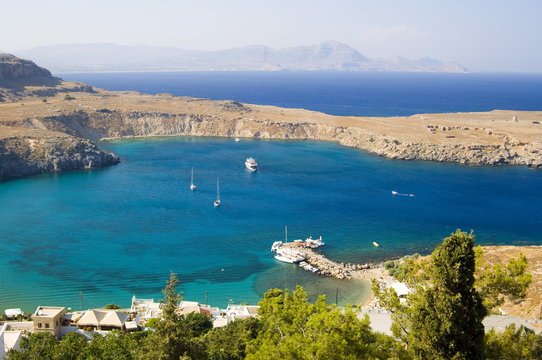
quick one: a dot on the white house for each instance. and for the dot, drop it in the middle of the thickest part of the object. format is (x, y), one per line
(9, 339)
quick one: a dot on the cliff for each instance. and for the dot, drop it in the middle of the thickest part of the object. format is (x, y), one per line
(27, 155)
(116, 124)
(14, 69)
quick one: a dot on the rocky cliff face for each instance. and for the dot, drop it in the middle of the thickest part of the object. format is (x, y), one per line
(114, 124)
(14, 69)
(24, 156)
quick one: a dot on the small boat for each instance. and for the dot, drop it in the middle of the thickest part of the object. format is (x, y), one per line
(237, 139)
(284, 258)
(217, 201)
(375, 244)
(314, 243)
(192, 186)
(289, 256)
(276, 245)
(251, 164)
(398, 194)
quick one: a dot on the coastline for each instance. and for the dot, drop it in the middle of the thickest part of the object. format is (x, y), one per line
(492, 138)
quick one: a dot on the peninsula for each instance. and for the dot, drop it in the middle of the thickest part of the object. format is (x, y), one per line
(50, 125)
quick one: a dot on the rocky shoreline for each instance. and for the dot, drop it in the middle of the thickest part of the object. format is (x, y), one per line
(21, 159)
(25, 156)
(118, 125)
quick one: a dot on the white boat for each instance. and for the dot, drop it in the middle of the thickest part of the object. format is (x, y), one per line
(314, 243)
(289, 256)
(308, 267)
(375, 244)
(236, 139)
(251, 164)
(284, 258)
(192, 186)
(276, 245)
(217, 201)
(398, 194)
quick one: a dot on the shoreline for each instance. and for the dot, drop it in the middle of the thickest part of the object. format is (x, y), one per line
(495, 138)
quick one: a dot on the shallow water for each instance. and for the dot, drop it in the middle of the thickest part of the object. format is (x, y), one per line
(105, 235)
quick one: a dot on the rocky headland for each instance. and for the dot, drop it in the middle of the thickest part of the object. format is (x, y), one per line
(47, 127)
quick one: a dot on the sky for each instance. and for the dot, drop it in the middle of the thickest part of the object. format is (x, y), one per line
(483, 35)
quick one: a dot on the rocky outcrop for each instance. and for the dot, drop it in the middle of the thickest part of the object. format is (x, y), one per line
(14, 69)
(24, 156)
(114, 124)
(16, 74)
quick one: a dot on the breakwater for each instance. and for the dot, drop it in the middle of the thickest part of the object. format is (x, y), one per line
(327, 267)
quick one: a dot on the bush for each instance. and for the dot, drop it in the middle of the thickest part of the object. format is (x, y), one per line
(389, 265)
(68, 97)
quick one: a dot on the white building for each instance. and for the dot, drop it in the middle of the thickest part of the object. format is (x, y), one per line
(234, 312)
(9, 339)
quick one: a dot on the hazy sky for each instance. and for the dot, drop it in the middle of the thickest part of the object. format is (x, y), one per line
(483, 35)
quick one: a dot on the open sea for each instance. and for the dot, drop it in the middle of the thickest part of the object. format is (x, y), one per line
(88, 238)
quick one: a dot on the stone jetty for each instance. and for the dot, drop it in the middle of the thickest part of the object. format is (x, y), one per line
(325, 266)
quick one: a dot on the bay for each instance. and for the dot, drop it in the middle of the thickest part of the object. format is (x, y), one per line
(112, 233)
(87, 238)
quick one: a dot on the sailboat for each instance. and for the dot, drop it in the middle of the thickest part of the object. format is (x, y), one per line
(217, 201)
(287, 255)
(192, 186)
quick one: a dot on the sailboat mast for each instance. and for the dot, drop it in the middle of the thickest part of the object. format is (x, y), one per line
(192, 177)
(218, 189)
(285, 233)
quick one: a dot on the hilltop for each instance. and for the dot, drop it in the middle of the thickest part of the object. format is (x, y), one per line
(328, 55)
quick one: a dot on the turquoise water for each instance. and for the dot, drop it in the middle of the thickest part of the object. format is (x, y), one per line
(112, 233)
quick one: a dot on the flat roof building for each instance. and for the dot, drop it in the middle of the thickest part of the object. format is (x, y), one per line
(48, 319)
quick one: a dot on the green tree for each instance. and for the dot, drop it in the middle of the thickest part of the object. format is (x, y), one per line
(229, 342)
(112, 306)
(497, 282)
(70, 347)
(197, 324)
(113, 346)
(35, 346)
(170, 339)
(513, 344)
(443, 317)
(293, 328)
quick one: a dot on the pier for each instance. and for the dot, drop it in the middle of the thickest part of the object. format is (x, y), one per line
(327, 267)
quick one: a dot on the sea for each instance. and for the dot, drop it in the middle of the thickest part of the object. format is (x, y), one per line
(84, 239)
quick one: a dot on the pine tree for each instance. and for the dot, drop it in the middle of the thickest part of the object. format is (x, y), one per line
(444, 319)
(170, 340)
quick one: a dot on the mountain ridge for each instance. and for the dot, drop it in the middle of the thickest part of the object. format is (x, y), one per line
(328, 55)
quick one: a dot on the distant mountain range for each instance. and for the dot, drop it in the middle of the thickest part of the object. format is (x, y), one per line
(329, 55)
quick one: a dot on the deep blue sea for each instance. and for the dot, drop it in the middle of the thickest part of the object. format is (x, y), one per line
(341, 93)
(105, 235)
